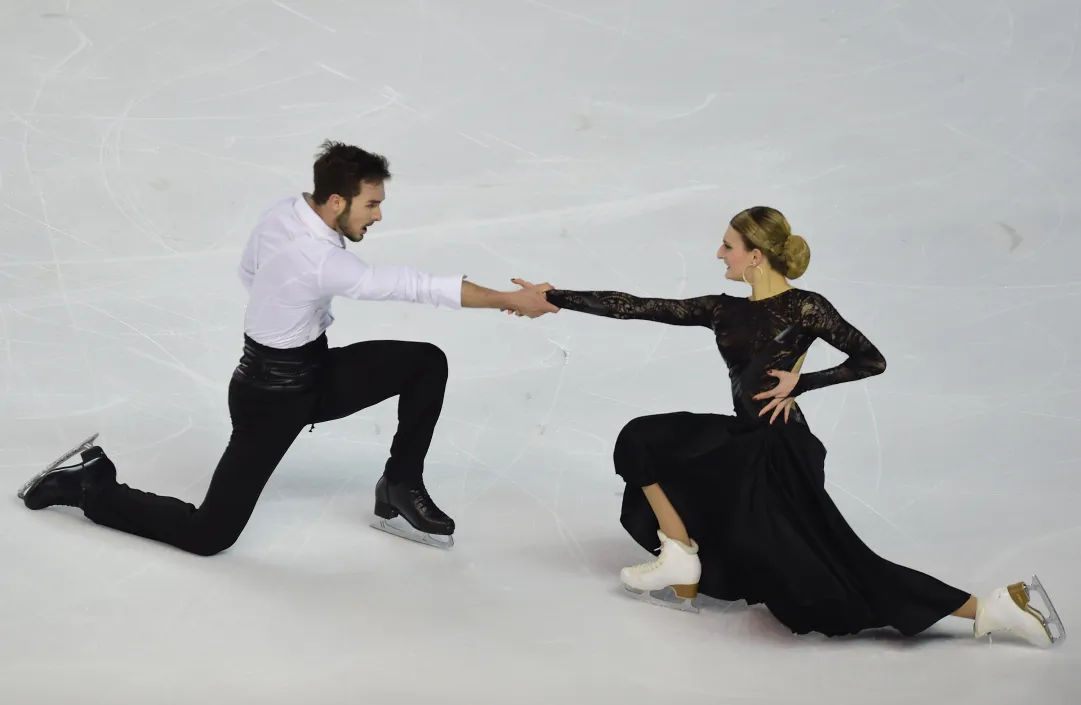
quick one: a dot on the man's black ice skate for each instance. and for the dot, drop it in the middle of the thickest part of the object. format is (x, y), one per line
(427, 522)
(69, 485)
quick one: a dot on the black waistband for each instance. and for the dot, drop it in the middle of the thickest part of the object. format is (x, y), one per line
(281, 369)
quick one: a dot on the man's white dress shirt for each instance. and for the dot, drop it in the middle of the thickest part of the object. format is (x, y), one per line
(294, 265)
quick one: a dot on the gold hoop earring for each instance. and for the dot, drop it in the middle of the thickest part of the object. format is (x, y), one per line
(760, 273)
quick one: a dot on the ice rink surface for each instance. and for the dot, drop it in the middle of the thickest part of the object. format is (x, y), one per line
(927, 151)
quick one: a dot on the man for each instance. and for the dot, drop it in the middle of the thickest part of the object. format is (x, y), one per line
(294, 264)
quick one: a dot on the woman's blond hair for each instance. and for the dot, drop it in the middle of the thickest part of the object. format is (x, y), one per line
(767, 229)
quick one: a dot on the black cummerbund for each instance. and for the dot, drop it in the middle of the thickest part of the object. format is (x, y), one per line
(282, 369)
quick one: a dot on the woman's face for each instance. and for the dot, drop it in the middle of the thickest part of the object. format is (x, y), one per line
(736, 255)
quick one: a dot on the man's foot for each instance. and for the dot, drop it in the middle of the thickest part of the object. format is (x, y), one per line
(429, 524)
(68, 486)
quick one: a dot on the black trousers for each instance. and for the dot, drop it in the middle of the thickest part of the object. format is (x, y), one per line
(267, 418)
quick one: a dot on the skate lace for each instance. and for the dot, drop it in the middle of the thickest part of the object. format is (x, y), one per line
(421, 498)
(423, 502)
(650, 566)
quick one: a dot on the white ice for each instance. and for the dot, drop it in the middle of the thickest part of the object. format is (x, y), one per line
(927, 150)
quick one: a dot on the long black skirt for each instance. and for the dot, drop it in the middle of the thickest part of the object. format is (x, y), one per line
(753, 496)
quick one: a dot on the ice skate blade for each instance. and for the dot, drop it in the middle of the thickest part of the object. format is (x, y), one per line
(1056, 630)
(392, 526)
(665, 597)
(75, 450)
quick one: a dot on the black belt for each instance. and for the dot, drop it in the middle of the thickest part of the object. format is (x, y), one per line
(282, 370)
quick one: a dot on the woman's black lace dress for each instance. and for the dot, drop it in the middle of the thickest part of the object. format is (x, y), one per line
(752, 494)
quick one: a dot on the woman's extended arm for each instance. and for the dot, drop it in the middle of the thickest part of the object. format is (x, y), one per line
(696, 311)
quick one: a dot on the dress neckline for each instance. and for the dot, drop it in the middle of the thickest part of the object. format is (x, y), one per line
(780, 293)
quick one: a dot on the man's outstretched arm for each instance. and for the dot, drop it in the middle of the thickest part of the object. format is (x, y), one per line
(346, 275)
(526, 302)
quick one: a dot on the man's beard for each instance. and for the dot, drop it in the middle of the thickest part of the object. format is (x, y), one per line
(343, 225)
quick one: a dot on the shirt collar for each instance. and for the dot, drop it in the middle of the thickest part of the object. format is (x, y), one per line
(315, 224)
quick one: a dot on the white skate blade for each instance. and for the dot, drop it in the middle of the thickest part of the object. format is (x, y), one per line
(665, 597)
(75, 450)
(401, 528)
(1056, 630)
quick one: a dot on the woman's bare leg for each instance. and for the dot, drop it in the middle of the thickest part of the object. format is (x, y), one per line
(967, 610)
(667, 517)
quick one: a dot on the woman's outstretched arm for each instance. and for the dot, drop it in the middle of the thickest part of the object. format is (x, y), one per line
(696, 311)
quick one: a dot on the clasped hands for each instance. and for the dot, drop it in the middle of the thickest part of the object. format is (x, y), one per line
(529, 300)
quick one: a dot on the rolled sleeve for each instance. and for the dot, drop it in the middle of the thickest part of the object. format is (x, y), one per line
(447, 290)
(344, 274)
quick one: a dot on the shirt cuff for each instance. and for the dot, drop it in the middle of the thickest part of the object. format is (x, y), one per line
(447, 291)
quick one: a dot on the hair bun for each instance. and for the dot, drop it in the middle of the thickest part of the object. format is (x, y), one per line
(797, 256)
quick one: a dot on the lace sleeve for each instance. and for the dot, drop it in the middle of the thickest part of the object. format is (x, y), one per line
(615, 304)
(822, 320)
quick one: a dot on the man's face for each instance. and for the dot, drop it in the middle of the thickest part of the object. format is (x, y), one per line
(361, 212)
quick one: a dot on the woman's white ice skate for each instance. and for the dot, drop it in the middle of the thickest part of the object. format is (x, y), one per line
(670, 580)
(1009, 609)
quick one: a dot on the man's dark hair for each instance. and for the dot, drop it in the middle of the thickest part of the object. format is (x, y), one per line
(342, 168)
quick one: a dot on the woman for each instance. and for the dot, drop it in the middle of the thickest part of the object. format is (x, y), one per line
(736, 504)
